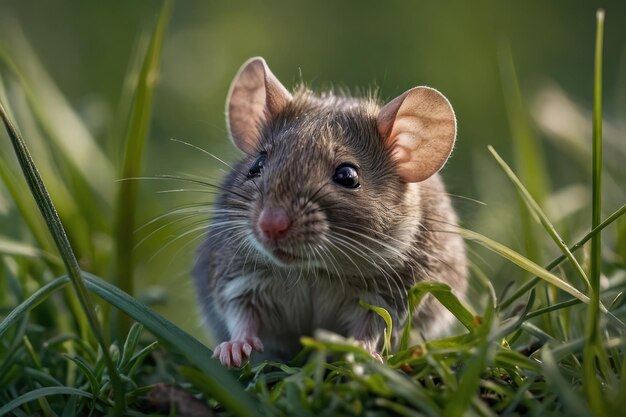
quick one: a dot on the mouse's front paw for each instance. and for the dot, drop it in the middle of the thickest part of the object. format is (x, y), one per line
(370, 347)
(233, 353)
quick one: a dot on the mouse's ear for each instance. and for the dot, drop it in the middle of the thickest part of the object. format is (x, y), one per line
(420, 127)
(255, 96)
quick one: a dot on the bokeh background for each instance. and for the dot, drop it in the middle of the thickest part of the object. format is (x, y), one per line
(464, 49)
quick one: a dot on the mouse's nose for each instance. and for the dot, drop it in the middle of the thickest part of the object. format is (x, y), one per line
(274, 222)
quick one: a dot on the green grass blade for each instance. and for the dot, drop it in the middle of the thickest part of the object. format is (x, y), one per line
(224, 388)
(512, 359)
(31, 302)
(130, 344)
(41, 393)
(620, 406)
(384, 314)
(473, 367)
(332, 342)
(407, 391)
(136, 139)
(46, 206)
(396, 408)
(10, 247)
(557, 261)
(523, 263)
(510, 325)
(22, 200)
(85, 368)
(137, 360)
(537, 270)
(594, 354)
(537, 332)
(596, 248)
(58, 141)
(469, 381)
(553, 307)
(69, 202)
(529, 159)
(576, 346)
(57, 118)
(124, 105)
(561, 386)
(443, 293)
(545, 222)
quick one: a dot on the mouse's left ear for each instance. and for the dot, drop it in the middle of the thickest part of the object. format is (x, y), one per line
(255, 97)
(420, 127)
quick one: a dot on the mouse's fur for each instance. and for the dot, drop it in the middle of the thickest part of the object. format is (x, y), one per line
(373, 243)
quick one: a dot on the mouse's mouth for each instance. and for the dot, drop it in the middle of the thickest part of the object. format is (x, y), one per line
(284, 256)
(276, 253)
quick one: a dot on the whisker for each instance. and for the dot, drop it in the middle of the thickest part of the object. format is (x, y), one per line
(190, 209)
(203, 151)
(244, 236)
(213, 225)
(395, 251)
(363, 255)
(188, 190)
(162, 227)
(176, 239)
(184, 179)
(230, 226)
(325, 250)
(373, 263)
(336, 246)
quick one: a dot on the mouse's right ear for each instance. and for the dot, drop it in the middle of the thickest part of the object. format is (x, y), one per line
(255, 96)
(420, 128)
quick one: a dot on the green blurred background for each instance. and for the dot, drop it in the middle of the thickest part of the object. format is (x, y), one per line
(461, 48)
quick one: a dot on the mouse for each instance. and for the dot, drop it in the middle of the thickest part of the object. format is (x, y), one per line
(335, 199)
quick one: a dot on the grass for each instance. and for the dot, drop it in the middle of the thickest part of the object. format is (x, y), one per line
(552, 344)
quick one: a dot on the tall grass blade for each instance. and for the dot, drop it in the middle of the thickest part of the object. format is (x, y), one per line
(51, 109)
(545, 222)
(594, 353)
(523, 263)
(557, 261)
(22, 200)
(124, 106)
(527, 150)
(31, 302)
(46, 206)
(136, 139)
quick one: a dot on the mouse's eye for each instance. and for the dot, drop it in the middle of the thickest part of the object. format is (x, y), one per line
(257, 166)
(346, 176)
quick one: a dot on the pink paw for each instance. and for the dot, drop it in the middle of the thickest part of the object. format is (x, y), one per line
(233, 353)
(377, 356)
(372, 350)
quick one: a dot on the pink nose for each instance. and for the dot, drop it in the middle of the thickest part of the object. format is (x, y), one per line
(274, 222)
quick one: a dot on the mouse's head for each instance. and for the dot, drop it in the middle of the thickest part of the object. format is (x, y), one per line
(324, 178)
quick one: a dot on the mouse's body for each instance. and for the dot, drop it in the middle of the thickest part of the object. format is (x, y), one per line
(336, 201)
